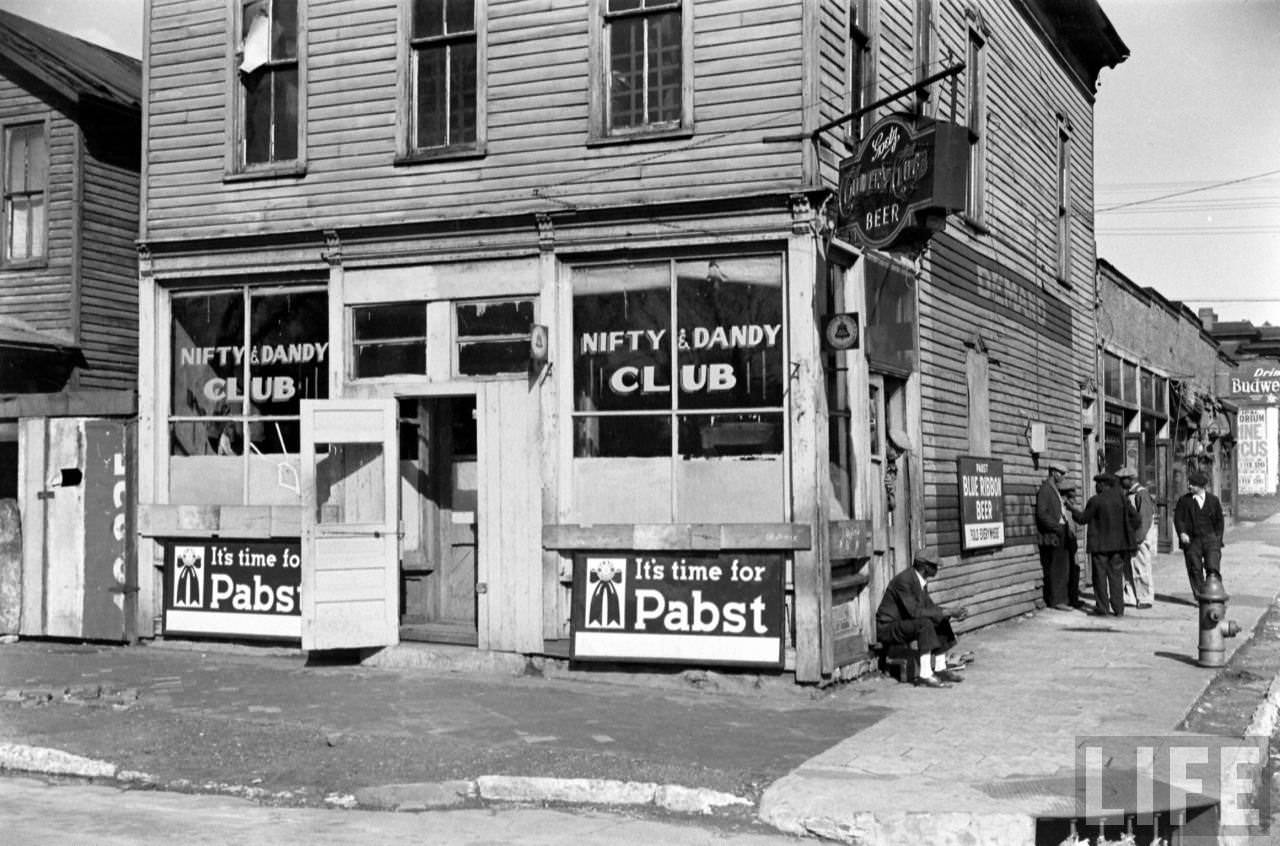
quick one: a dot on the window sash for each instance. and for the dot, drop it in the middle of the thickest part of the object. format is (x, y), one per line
(651, 67)
(25, 173)
(269, 114)
(444, 75)
(975, 194)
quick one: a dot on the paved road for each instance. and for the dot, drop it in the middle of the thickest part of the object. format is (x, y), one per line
(34, 812)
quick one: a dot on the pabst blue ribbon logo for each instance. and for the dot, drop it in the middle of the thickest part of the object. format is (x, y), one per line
(606, 587)
(188, 577)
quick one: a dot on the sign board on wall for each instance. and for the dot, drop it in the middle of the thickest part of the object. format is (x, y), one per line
(233, 588)
(1256, 448)
(706, 609)
(981, 502)
(1255, 381)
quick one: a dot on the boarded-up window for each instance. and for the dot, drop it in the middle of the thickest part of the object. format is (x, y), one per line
(978, 381)
(26, 177)
(268, 72)
(1064, 202)
(443, 73)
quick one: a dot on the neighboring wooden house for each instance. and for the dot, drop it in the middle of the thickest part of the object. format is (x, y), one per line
(583, 257)
(70, 138)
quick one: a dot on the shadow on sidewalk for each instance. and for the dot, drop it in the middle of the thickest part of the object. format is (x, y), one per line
(1178, 656)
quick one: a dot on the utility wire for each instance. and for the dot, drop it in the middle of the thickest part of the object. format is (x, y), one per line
(1188, 191)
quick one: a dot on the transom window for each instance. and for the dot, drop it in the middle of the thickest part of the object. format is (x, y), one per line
(389, 339)
(493, 337)
(444, 63)
(269, 76)
(26, 177)
(641, 62)
(242, 361)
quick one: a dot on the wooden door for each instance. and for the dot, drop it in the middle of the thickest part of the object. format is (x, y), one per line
(439, 594)
(350, 544)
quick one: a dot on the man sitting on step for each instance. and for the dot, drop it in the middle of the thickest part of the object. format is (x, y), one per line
(907, 613)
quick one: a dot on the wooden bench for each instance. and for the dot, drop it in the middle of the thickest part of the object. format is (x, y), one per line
(899, 660)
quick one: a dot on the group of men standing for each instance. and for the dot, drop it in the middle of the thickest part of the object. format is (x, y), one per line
(1122, 538)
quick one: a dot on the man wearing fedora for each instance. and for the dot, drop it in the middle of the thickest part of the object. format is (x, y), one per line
(908, 613)
(1112, 523)
(1138, 581)
(1197, 518)
(1051, 530)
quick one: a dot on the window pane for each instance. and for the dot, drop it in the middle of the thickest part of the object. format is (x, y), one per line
(626, 68)
(1111, 375)
(273, 437)
(713, 435)
(431, 98)
(16, 172)
(629, 436)
(486, 358)
(257, 117)
(388, 359)
(284, 29)
(623, 5)
(37, 159)
(459, 16)
(503, 318)
(462, 93)
(208, 355)
(249, 10)
(37, 227)
(428, 18)
(664, 68)
(390, 321)
(729, 333)
(1130, 383)
(286, 114)
(622, 343)
(206, 437)
(17, 215)
(289, 355)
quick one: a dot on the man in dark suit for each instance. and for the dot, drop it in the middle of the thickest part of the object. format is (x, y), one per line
(1051, 528)
(1112, 523)
(1197, 518)
(908, 613)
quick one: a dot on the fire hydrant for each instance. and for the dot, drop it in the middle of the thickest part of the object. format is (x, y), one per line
(1213, 628)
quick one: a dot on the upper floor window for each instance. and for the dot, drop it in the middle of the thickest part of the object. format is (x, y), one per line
(443, 53)
(641, 61)
(270, 75)
(1064, 201)
(862, 66)
(976, 122)
(26, 182)
(926, 53)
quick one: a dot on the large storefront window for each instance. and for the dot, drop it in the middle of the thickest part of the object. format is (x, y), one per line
(678, 388)
(243, 359)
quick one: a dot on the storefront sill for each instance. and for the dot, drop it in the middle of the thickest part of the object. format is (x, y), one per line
(677, 536)
(228, 521)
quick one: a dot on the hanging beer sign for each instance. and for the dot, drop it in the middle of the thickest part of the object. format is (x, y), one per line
(696, 609)
(903, 170)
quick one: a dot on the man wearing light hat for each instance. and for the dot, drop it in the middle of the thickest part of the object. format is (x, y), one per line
(1051, 531)
(1138, 581)
(1197, 518)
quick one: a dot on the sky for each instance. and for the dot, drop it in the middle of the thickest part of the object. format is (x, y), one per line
(1184, 132)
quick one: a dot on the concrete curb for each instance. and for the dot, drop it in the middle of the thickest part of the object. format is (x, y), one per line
(40, 759)
(1267, 714)
(592, 791)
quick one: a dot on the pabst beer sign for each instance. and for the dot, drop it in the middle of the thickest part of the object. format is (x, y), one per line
(900, 170)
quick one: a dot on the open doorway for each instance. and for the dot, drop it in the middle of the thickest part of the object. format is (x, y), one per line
(438, 511)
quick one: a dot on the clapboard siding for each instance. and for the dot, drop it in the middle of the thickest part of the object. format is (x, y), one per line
(747, 83)
(108, 263)
(43, 296)
(1040, 339)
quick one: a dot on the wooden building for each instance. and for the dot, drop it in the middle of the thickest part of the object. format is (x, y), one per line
(445, 348)
(70, 130)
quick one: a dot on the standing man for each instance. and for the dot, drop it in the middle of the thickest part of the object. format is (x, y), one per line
(1197, 518)
(1051, 527)
(1139, 583)
(1112, 523)
(1068, 491)
(908, 613)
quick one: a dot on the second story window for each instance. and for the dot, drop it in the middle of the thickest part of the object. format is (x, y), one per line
(862, 66)
(443, 71)
(26, 177)
(926, 54)
(269, 76)
(976, 123)
(1064, 201)
(642, 66)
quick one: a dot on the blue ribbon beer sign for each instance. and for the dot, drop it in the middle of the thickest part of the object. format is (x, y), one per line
(716, 609)
(981, 502)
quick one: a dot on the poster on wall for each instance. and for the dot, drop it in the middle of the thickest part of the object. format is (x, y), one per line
(1255, 447)
(231, 588)
(709, 609)
(981, 502)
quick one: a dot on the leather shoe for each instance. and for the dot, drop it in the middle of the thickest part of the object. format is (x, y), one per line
(931, 681)
(948, 676)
